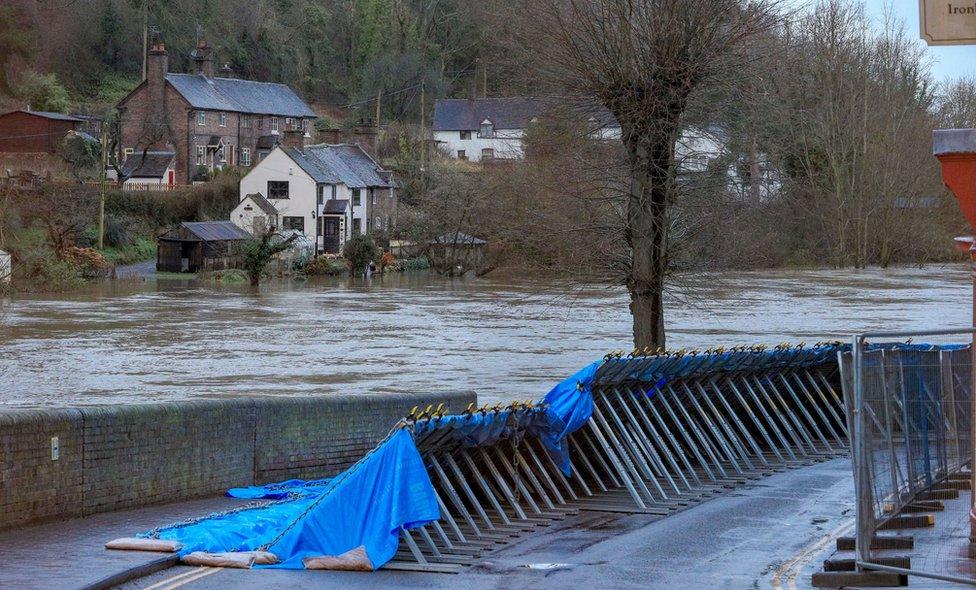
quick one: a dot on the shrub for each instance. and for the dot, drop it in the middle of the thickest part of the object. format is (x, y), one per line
(40, 270)
(360, 251)
(419, 263)
(325, 266)
(88, 262)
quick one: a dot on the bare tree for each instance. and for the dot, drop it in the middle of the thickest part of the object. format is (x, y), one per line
(643, 60)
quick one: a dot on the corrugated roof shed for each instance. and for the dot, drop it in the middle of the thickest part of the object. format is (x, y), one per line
(241, 96)
(511, 113)
(210, 231)
(49, 115)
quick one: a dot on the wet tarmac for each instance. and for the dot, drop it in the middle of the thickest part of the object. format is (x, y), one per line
(507, 338)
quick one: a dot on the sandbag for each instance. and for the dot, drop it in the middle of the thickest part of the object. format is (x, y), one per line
(240, 560)
(354, 560)
(138, 544)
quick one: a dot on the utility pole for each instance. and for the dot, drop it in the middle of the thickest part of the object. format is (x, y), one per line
(484, 79)
(101, 204)
(423, 123)
(379, 102)
(145, 39)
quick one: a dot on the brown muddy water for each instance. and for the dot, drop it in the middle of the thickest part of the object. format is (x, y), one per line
(129, 342)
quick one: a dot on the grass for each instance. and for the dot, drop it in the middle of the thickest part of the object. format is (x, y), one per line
(178, 276)
(141, 249)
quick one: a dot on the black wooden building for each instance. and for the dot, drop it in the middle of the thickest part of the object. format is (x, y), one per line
(200, 245)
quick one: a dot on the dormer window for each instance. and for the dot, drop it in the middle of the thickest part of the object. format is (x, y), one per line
(487, 129)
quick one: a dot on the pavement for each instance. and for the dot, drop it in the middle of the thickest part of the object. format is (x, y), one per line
(741, 539)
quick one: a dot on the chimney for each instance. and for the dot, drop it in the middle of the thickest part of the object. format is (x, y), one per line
(203, 59)
(226, 72)
(157, 66)
(294, 138)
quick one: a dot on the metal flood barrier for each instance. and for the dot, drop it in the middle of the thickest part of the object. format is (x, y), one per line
(667, 431)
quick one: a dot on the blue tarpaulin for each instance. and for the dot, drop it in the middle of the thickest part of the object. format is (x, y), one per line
(569, 406)
(364, 507)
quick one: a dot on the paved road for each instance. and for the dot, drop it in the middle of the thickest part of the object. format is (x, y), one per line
(754, 537)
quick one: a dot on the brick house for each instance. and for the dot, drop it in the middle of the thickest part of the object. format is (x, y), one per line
(207, 122)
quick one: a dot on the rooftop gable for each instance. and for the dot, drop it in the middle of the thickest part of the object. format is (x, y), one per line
(342, 163)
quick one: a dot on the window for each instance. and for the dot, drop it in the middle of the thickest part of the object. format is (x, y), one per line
(333, 191)
(293, 223)
(377, 223)
(274, 123)
(305, 126)
(321, 198)
(277, 189)
(487, 129)
(357, 226)
(201, 118)
(462, 155)
(289, 123)
(465, 135)
(223, 119)
(355, 197)
(487, 154)
(245, 121)
(245, 156)
(372, 196)
(201, 155)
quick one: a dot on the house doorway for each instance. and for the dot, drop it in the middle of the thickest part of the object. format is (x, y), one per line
(330, 234)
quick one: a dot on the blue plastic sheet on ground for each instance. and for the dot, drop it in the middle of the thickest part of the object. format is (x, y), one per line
(291, 488)
(364, 506)
(569, 406)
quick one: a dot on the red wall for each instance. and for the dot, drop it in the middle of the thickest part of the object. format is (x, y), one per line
(25, 132)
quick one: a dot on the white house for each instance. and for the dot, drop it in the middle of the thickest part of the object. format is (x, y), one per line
(493, 128)
(328, 192)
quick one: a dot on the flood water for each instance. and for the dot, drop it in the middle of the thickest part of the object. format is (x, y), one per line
(130, 342)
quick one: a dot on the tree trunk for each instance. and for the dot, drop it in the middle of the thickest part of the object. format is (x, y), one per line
(651, 163)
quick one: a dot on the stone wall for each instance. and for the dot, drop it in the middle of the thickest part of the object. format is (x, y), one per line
(117, 457)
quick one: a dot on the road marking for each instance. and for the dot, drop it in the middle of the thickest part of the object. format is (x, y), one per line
(171, 579)
(792, 568)
(185, 578)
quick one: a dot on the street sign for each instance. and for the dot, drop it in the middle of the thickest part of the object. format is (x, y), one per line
(948, 22)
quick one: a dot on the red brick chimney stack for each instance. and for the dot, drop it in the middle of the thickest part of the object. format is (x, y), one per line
(203, 59)
(157, 66)
(294, 138)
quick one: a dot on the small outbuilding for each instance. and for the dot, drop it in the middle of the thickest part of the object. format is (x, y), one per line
(201, 246)
(456, 253)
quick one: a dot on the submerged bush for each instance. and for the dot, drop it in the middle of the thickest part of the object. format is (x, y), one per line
(325, 266)
(360, 251)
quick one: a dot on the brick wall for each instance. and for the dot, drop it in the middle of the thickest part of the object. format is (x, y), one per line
(118, 457)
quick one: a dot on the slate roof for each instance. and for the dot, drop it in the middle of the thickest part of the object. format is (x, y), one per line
(510, 113)
(342, 163)
(239, 96)
(336, 206)
(154, 164)
(214, 231)
(262, 203)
